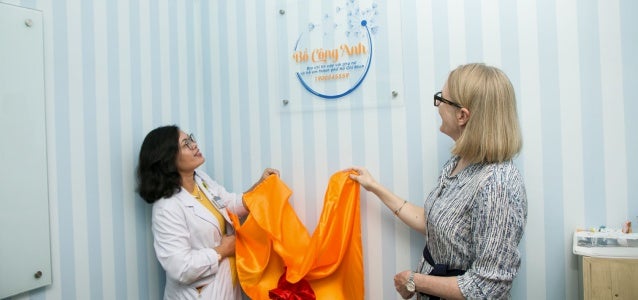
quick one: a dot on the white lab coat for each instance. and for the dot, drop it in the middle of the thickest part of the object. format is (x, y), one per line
(184, 234)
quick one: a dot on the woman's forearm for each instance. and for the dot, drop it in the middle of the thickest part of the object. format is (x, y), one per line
(410, 214)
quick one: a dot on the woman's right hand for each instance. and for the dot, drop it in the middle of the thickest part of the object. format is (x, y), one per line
(363, 178)
(227, 246)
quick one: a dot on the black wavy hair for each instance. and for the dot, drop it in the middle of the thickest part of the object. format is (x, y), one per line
(157, 175)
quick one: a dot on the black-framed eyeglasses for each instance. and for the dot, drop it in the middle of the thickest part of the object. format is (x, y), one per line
(438, 98)
(190, 142)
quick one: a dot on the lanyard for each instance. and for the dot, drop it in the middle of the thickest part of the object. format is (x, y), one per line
(215, 200)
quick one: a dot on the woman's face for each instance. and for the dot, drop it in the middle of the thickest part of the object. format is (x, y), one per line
(448, 113)
(189, 157)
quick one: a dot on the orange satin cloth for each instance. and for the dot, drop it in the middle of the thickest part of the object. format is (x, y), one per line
(273, 238)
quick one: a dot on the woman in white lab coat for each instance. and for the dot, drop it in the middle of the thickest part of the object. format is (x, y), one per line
(193, 235)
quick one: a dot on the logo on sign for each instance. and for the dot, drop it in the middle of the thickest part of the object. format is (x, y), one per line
(333, 58)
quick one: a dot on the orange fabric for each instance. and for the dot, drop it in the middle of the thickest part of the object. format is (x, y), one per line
(273, 239)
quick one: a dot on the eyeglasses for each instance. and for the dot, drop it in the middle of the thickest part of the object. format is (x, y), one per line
(190, 142)
(438, 98)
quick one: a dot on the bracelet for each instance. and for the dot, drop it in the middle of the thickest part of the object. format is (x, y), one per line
(396, 212)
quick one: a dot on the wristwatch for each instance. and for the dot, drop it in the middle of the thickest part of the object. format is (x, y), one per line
(409, 285)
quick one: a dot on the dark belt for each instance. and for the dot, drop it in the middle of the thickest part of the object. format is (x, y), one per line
(439, 269)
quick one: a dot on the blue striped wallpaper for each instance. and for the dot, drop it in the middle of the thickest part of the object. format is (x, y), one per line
(629, 46)
(220, 69)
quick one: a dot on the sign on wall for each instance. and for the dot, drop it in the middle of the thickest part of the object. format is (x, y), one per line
(332, 56)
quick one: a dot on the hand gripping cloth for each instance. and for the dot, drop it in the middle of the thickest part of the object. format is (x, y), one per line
(273, 244)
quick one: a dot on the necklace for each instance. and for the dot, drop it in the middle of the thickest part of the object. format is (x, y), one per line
(197, 193)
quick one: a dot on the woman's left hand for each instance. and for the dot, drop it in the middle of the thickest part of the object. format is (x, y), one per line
(268, 172)
(400, 279)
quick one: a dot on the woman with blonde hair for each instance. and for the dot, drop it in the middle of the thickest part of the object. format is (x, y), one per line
(473, 220)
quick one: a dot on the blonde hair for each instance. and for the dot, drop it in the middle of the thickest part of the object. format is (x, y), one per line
(492, 133)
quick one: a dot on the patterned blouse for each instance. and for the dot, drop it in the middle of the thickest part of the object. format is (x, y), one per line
(474, 222)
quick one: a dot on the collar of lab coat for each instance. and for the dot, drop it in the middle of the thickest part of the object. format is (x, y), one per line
(198, 209)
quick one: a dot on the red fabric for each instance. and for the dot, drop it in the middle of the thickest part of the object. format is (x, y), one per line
(292, 291)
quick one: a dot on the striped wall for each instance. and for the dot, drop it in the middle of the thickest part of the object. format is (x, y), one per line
(220, 69)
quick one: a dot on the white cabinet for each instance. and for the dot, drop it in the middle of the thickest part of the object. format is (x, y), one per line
(25, 248)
